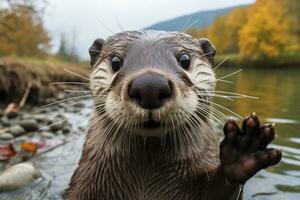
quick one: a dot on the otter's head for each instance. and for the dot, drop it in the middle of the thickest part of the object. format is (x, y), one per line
(152, 83)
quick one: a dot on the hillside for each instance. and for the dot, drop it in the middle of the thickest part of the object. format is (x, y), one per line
(200, 19)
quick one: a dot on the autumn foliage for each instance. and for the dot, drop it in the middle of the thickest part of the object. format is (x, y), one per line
(22, 32)
(266, 29)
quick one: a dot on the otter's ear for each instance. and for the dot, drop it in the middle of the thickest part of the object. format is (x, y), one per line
(95, 50)
(208, 49)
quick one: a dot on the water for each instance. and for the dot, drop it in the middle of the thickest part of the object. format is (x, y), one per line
(279, 102)
(279, 98)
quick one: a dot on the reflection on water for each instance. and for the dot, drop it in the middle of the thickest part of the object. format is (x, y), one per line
(279, 97)
(279, 102)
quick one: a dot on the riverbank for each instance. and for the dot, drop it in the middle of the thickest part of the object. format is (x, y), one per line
(33, 135)
(282, 62)
(18, 75)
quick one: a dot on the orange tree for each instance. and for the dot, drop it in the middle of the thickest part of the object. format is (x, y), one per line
(266, 32)
(22, 31)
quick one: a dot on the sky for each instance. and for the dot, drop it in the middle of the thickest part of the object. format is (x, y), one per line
(82, 21)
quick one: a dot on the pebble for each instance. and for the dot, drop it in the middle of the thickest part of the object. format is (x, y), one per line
(50, 100)
(5, 122)
(79, 105)
(47, 134)
(6, 136)
(11, 114)
(58, 125)
(17, 130)
(61, 96)
(77, 110)
(38, 117)
(66, 130)
(18, 176)
(29, 124)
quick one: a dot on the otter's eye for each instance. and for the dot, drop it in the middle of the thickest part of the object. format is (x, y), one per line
(116, 63)
(184, 60)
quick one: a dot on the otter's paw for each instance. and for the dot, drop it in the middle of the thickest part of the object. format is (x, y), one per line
(244, 152)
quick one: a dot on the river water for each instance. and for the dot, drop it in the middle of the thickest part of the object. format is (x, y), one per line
(279, 102)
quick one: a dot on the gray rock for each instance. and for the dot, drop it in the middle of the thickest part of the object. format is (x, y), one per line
(29, 124)
(26, 116)
(45, 110)
(47, 134)
(5, 122)
(60, 132)
(11, 114)
(6, 136)
(77, 110)
(41, 117)
(81, 128)
(79, 105)
(59, 125)
(66, 130)
(60, 95)
(50, 100)
(17, 130)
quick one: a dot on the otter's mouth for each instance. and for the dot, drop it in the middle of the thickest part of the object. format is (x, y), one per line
(151, 124)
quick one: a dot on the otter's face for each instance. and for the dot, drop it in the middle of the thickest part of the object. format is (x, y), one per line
(152, 83)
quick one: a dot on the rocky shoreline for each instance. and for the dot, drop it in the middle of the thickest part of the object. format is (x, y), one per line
(44, 127)
(35, 121)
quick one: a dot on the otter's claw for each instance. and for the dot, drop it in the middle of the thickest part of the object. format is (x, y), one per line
(244, 152)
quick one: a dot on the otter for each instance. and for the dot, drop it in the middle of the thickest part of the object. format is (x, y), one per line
(151, 134)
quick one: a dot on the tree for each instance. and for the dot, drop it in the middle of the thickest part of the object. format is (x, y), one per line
(67, 50)
(234, 22)
(293, 16)
(266, 32)
(22, 31)
(224, 31)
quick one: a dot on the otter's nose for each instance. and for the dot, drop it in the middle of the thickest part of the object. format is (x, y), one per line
(150, 91)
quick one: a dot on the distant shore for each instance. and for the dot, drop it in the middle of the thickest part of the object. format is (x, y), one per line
(281, 62)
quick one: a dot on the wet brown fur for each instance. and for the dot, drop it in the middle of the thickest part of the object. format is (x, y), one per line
(150, 173)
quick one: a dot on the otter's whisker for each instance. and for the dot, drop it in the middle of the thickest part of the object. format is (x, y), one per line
(215, 95)
(70, 83)
(56, 122)
(112, 32)
(215, 112)
(220, 63)
(204, 165)
(78, 91)
(223, 107)
(203, 55)
(231, 93)
(119, 24)
(205, 112)
(225, 81)
(67, 70)
(229, 74)
(189, 26)
(60, 101)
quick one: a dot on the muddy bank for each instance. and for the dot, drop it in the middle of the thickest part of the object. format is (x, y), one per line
(18, 75)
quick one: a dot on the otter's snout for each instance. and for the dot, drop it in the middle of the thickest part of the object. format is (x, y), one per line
(150, 91)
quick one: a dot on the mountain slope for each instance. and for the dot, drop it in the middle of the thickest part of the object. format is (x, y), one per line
(199, 19)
